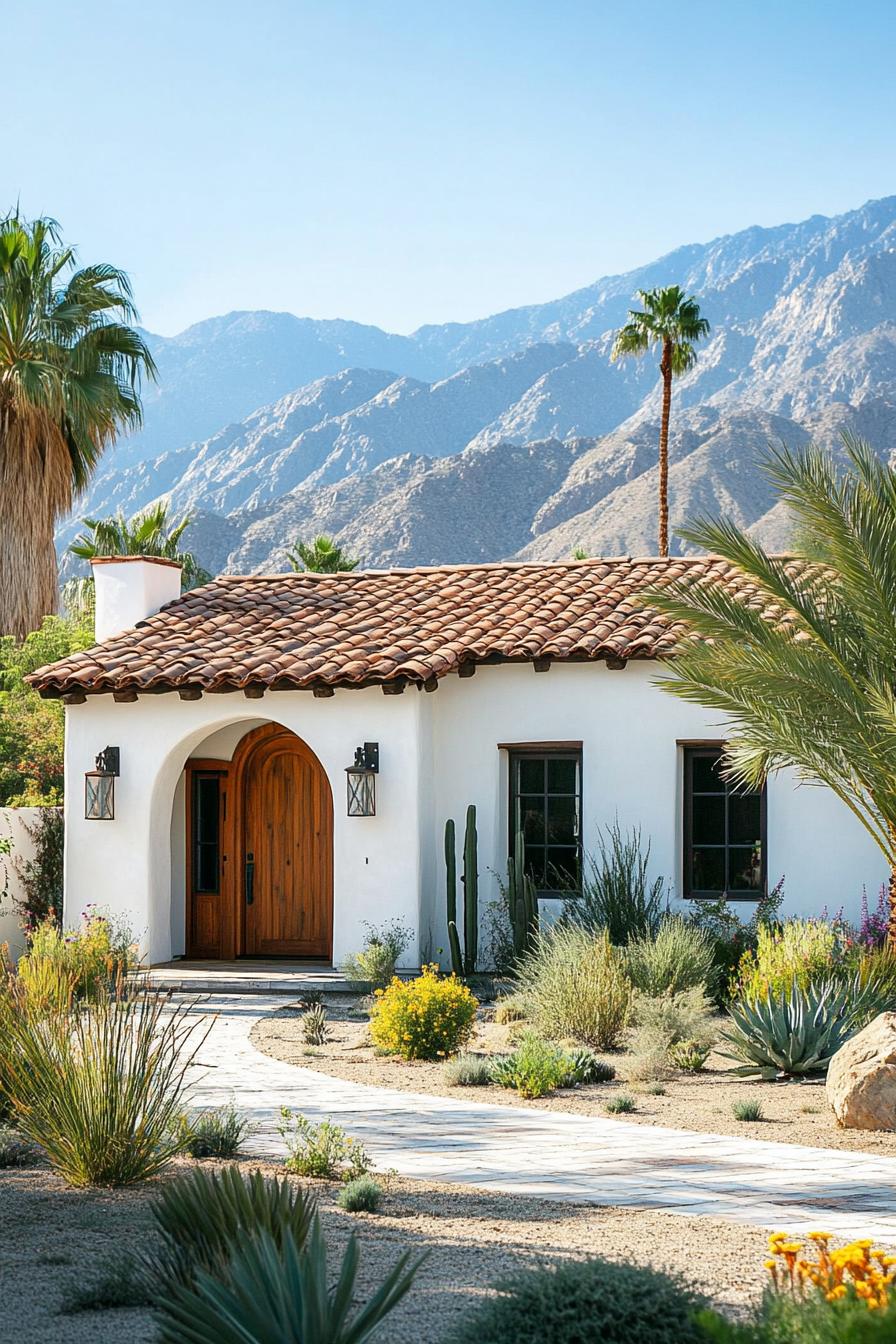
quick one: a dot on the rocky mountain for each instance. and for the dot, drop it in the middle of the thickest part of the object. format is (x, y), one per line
(516, 435)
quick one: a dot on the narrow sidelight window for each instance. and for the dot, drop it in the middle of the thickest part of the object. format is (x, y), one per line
(206, 815)
(546, 805)
(724, 831)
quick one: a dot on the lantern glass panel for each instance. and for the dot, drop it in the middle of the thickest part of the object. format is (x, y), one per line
(99, 797)
(361, 793)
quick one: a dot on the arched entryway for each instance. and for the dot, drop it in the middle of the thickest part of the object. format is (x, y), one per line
(260, 851)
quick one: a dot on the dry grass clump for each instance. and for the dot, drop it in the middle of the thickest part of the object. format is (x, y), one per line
(575, 986)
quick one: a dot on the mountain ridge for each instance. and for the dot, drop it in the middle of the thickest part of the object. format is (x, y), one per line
(370, 436)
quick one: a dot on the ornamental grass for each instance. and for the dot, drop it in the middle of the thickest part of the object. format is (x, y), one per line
(575, 986)
(101, 1087)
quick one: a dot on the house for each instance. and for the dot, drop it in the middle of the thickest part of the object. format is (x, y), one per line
(260, 765)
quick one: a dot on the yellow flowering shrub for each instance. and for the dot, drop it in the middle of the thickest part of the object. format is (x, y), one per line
(794, 953)
(856, 1270)
(426, 1018)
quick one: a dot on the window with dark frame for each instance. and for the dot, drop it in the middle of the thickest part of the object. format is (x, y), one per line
(206, 838)
(546, 805)
(724, 831)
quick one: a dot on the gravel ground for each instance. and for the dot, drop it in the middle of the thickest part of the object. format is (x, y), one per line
(794, 1112)
(63, 1238)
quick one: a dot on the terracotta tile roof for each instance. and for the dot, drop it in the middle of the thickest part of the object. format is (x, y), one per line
(392, 626)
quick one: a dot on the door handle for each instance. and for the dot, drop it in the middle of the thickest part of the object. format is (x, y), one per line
(250, 878)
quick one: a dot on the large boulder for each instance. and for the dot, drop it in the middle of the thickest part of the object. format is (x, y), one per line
(861, 1084)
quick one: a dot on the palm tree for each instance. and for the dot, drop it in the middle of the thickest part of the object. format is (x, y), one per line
(815, 688)
(70, 371)
(147, 533)
(323, 556)
(671, 319)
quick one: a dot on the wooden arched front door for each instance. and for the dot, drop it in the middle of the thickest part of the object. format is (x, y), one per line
(286, 817)
(259, 878)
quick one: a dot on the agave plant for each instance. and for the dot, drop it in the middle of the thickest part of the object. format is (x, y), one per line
(278, 1294)
(800, 1030)
(202, 1217)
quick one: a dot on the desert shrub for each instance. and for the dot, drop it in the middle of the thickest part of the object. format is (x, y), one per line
(797, 1031)
(212, 1133)
(574, 985)
(510, 1009)
(374, 966)
(425, 1018)
(793, 953)
(120, 1283)
(662, 1024)
(585, 1067)
(313, 1025)
(323, 1150)
(534, 1068)
(678, 956)
(92, 958)
(784, 1318)
(748, 1111)
(876, 966)
(616, 893)
(40, 877)
(467, 1070)
(362, 1195)
(690, 1056)
(280, 1295)
(14, 1150)
(589, 1302)
(99, 1089)
(201, 1218)
(621, 1104)
(730, 936)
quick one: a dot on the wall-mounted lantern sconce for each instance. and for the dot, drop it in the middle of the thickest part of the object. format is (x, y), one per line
(99, 786)
(360, 779)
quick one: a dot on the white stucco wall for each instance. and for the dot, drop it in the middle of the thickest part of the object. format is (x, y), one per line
(127, 863)
(631, 768)
(438, 752)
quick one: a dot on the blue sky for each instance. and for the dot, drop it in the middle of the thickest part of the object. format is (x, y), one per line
(401, 163)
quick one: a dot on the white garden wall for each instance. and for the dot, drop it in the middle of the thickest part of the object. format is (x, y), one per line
(14, 824)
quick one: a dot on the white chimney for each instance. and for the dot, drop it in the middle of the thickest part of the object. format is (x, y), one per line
(129, 588)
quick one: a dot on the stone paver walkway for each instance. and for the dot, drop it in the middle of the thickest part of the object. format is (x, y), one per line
(544, 1153)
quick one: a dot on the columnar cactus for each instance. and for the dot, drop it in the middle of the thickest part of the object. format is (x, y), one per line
(522, 899)
(463, 961)
(471, 892)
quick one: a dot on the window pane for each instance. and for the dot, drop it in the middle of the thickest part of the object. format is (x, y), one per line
(531, 820)
(531, 775)
(744, 869)
(562, 775)
(708, 870)
(709, 820)
(207, 868)
(207, 809)
(563, 817)
(535, 864)
(706, 777)
(562, 869)
(744, 826)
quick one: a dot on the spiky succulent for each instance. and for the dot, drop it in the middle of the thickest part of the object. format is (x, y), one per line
(797, 1031)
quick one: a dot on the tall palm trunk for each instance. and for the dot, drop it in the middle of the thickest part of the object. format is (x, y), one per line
(666, 371)
(35, 487)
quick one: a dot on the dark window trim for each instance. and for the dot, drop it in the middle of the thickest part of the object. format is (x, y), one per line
(558, 750)
(707, 748)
